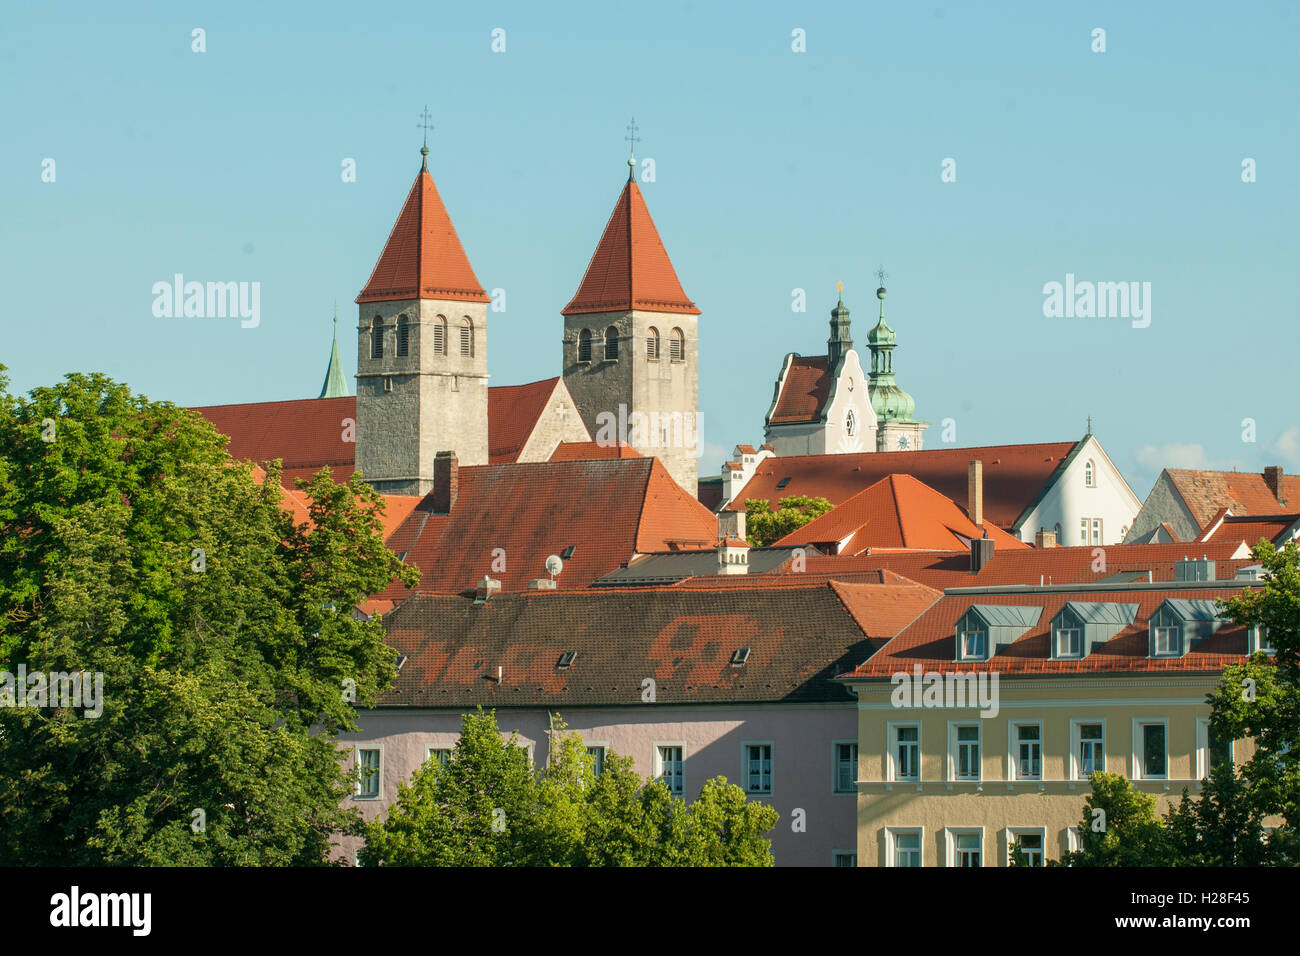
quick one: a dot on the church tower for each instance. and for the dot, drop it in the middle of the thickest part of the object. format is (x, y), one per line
(897, 429)
(631, 344)
(422, 379)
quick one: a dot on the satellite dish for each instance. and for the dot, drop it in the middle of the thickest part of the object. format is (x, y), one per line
(554, 565)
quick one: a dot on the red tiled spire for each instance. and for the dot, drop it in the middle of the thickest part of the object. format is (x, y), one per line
(423, 258)
(630, 268)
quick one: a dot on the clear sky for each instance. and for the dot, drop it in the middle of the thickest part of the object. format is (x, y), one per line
(775, 170)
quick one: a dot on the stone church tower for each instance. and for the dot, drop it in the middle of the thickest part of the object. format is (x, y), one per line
(631, 344)
(422, 379)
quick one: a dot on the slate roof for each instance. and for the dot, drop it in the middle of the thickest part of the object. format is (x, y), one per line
(1014, 475)
(799, 638)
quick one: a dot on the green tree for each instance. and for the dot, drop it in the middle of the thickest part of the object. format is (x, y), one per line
(135, 548)
(1119, 827)
(764, 526)
(563, 816)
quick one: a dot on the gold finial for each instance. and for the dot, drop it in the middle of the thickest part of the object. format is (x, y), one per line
(839, 287)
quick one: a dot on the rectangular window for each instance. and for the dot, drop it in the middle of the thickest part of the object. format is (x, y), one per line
(1091, 750)
(1210, 749)
(758, 768)
(598, 760)
(907, 753)
(1084, 524)
(967, 849)
(1069, 642)
(974, 645)
(846, 768)
(905, 847)
(1096, 531)
(1031, 846)
(1153, 762)
(1165, 642)
(670, 769)
(968, 752)
(845, 858)
(1029, 752)
(441, 754)
(368, 774)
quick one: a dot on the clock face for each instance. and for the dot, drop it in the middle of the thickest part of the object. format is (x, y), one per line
(902, 442)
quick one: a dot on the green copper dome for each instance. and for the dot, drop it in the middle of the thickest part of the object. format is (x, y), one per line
(890, 402)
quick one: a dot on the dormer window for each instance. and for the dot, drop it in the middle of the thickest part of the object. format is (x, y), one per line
(1259, 640)
(1069, 642)
(973, 645)
(1166, 642)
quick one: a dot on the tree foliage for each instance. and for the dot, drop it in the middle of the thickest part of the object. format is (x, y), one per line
(764, 526)
(487, 808)
(134, 547)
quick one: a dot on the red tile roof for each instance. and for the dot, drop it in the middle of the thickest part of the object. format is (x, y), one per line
(804, 391)
(593, 451)
(898, 511)
(930, 641)
(520, 514)
(1014, 475)
(1243, 493)
(1249, 528)
(306, 434)
(630, 268)
(423, 258)
(513, 411)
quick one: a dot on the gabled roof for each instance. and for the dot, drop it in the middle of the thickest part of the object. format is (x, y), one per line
(1103, 612)
(593, 451)
(423, 257)
(513, 411)
(803, 391)
(1193, 610)
(630, 268)
(901, 512)
(1008, 615)
(507, 519)
(799, 638)
(307, 434)
(930, 641)
(1272, 528)
(1243, 493)
(1014, 475)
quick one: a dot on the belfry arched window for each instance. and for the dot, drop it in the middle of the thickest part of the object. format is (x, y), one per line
(377, 338)
(440, 335)
(403, 335)
(584, 345)
(677, 346)
(652, 344)
(611, 344)
(466, 336)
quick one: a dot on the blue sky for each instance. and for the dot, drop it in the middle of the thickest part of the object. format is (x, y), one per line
(775, 170)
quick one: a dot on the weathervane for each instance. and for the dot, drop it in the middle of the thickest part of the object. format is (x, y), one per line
(426, 126)
(882, 275)
(632, 140)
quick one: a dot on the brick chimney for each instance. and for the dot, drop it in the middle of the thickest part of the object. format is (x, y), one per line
(1273, 478)
(446, 482)
(486, 588)
(975, 491)
(1045, 539)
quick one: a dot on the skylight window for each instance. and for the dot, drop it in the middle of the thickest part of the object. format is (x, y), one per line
(783, 482)
(739, 656)
(566, 660)
(568, 552)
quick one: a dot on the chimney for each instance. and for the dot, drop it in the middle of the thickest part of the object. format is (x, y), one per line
(1045, 539)
(1273, 478)
(975, 492)
(731, 524)
(981, 553)
(486, 588)
(542, 584)
(446, 482)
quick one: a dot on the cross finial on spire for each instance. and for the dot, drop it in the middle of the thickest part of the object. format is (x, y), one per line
(882, 275)
(336, 316)
(426, 126)
(1089, 424)
(632, 140)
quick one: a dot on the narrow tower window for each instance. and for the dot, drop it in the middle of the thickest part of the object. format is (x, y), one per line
(1089, 476)
(652, 344)
(611, 344)
(440, 335)
(377, 338)
(677, 346)
(584, 345)
(466, 336)
(403, 335)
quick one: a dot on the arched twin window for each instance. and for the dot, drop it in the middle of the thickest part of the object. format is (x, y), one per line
(466, 336)
(611, 344)
(377, 338)
(403, 335)
(440, 335)
(652, 344)
(677, 346)
(584, 345)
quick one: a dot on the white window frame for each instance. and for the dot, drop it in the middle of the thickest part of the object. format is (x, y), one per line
(891, 752)
(744, 766)
(658, 764)
(835, 767)
(1056, 644)
(379, 772)
(954, 752)
(1073, 840)
(891, 844)
(1156, 630)
(1139, 749)
(1013, 833)
(603, 745)
(430, 751)
(1259, 643)
(1013, 736)
(1076, 743)
(1089, 474)
(961, 645)
(1203, 748)
(835, 854)
(950, 835)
